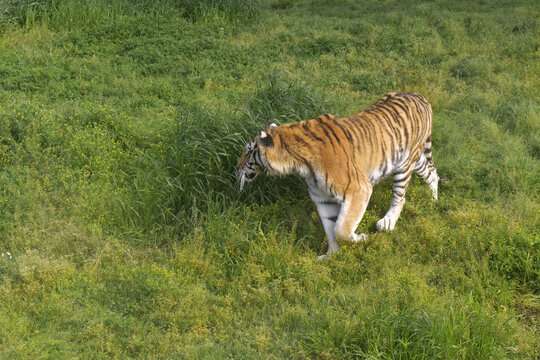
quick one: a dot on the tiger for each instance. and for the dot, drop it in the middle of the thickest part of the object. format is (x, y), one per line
(342, 159)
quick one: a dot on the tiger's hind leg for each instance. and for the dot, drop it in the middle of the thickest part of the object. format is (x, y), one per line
(426, 169)
(401, 182)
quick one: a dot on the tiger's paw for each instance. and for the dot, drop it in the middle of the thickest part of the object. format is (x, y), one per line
(359, 237)
(434, 190)
(386, 224)
(323, 257)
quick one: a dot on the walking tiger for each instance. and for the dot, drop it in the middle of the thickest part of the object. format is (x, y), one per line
(342, 159)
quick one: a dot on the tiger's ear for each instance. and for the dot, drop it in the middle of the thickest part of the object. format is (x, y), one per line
(265, 140)
(271, 124)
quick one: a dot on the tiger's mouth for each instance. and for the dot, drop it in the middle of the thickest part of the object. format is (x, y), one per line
(245, 177)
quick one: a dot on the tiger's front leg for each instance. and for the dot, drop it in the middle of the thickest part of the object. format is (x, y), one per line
(328, 211)
(328, 208)
(352, 212)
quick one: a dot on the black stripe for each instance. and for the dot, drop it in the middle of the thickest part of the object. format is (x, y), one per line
(332, 131)
(384, 167)
(300, 140)
(286, 147)
(356, 126)
(419, 109)
(422, 167)
(402, 125)
(352, 139)
(356, 122)
(396, 116)
(302, 160)
(345, 152)
(361, 127)
(400, 106)
(312, 172)
(332, 218)
(392, 133)
(422, 101)
(417, 113)
(310, 133)
(405, 104)
(327, 135)
(370, 132)
(397, 182)
(326, 202)
(402, 119)
(422, 114)
(349, 180)
(345, 132)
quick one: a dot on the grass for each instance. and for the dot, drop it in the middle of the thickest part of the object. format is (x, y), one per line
(121, 123)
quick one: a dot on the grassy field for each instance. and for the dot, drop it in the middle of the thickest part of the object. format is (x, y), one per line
(122, 231)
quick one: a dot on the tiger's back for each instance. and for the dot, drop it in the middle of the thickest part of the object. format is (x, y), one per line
(372, 143)
(342, 158)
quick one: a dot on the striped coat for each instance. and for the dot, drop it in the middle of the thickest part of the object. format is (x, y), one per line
(342, 159)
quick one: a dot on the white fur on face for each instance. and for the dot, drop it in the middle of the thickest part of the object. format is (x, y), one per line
(252, 166)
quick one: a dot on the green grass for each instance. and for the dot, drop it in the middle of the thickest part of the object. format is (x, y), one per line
(121, 124)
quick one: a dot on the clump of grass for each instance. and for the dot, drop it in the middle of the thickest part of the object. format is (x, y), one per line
(201, 156)
(281, 101)
(56, 14)
(199, 165)
(231, 10)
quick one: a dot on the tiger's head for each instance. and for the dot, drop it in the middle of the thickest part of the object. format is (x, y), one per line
(253, 160)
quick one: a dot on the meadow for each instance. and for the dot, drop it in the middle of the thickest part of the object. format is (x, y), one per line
(122, 231)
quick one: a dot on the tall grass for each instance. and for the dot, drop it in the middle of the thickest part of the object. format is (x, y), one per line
(202, 152)
(72, 14)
